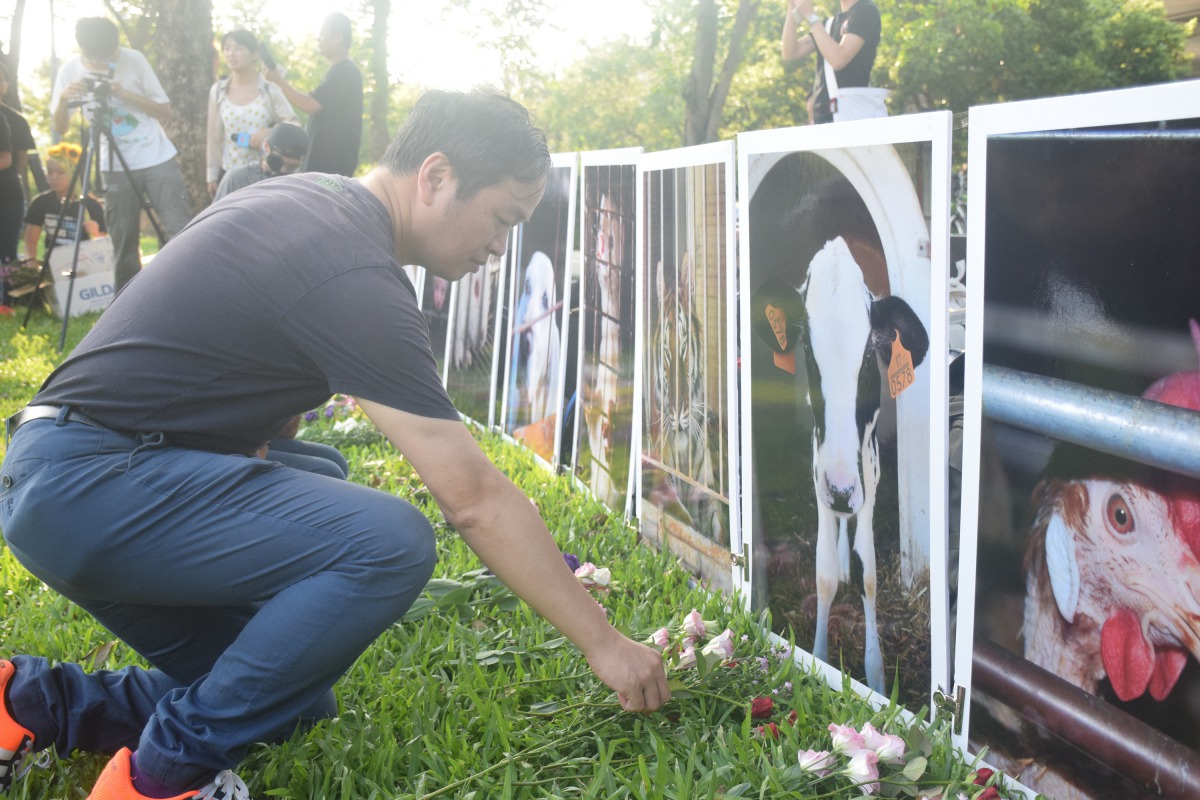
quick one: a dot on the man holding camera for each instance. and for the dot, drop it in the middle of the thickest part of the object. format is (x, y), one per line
(282, 153)
(116, 87)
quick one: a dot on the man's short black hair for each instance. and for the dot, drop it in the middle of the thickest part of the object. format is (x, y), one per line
(487, 136)
(97, 37)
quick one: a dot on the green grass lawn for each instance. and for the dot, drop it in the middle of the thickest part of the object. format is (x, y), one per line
(474, 696)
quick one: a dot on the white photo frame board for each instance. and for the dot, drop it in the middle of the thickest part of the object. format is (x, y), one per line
(1082, 249)
(882, 185)
(603, 446)
(686, 416)
(472, 354)
(539, 302)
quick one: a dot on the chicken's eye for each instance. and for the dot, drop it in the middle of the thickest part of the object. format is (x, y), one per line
(1119, 516)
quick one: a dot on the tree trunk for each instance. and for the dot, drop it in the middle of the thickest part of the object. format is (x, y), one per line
(13, 58)
(183, 42)
(704, 101)
(379, 136)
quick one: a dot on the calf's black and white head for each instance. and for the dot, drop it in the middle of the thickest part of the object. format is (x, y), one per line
(842, 330)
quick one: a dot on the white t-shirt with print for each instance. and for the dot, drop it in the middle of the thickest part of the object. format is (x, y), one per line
(139, 137)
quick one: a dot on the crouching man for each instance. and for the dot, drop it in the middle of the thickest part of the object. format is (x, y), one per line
(131, 484)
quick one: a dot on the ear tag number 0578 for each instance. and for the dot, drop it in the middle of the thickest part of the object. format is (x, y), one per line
(900, 369)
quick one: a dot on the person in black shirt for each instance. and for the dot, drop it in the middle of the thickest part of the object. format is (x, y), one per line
(335, 107)
(17, 145)
(47, 207)
(849, 46)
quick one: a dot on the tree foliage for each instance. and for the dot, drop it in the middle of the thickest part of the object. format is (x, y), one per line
(959, 53)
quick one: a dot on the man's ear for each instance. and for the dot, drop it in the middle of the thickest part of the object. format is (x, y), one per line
(435, 175)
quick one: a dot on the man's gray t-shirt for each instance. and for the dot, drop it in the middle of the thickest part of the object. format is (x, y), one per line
(270, 301)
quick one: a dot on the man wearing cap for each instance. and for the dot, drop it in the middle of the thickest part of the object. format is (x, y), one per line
(282, 153)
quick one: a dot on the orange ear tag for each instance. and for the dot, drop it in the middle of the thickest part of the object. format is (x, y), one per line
(778, 321)
(900, 370)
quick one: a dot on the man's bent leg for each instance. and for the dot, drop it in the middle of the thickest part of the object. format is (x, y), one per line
(328, 565)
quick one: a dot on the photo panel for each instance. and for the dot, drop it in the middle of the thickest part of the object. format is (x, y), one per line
(604, 398)
(540, 301)
(435, 307)
(687, 429)
(843, 274)
(474, 306)
(1079, 601)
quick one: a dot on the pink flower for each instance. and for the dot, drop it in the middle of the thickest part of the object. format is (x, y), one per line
(818, 761)
(769, 729)
(694, 625)
(687, 658)
(864, 770)
(846, 740)
(761, 707)
(720, 645)
(660, 638)
(586, 570)
(888, 747)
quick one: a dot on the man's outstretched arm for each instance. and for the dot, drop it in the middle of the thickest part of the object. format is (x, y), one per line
(505, 530)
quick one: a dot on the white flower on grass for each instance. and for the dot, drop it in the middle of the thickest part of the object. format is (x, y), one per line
(819, 762)
(602, 576)
(696, 626)
(846, 740)
(889, 747)
(863, 769)
(660, 638)
(687, 658)
(721, 645)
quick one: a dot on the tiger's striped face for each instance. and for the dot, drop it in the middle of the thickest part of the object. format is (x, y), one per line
(677, 377)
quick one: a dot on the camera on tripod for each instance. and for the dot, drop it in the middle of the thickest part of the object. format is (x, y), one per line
(99, 91)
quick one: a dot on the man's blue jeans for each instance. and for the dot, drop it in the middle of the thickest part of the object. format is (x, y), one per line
(250, 586)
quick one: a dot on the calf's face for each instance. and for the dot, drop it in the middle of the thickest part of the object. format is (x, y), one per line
(842, 330)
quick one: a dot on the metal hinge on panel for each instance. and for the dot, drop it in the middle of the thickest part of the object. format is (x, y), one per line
(944, 705)
(742, 560)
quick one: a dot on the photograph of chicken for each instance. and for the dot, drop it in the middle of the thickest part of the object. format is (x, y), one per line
(1088, 559)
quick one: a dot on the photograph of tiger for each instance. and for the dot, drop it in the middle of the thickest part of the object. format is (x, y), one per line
(472, 330)
(534, 390)
(1087, 564)
(686, 401)
(603, 450)
(838, 276)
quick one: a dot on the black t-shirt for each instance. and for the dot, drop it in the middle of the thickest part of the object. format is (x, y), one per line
(271, 300)
(335, 131)
(19, 140)
(862, 20)
(44, 211)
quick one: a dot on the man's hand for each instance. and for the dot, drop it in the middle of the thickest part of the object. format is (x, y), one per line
(634, 671)
(804, 8)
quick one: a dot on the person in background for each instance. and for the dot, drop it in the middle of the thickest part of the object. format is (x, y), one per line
(335, 107)
(849, 48)
(242, 109)
(281, 154)
(49, 207)
(137, 106)
(12, 193)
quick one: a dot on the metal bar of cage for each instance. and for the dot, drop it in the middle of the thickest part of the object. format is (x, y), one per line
(1125, 744)
(1141, 430)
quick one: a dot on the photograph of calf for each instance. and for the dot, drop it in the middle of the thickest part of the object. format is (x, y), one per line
(845, 334)
(470, 373)
(841, 355)
(1080, 602)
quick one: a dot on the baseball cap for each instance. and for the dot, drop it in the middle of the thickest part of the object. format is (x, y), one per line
(288, 140)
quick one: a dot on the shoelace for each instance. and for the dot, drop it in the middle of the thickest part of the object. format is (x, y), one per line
(226, 786)
(42, 761)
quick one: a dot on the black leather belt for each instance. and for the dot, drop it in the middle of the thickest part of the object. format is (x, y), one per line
(30, 413)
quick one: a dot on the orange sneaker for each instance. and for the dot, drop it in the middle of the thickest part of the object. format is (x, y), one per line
(116, 783)
(15, 741)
